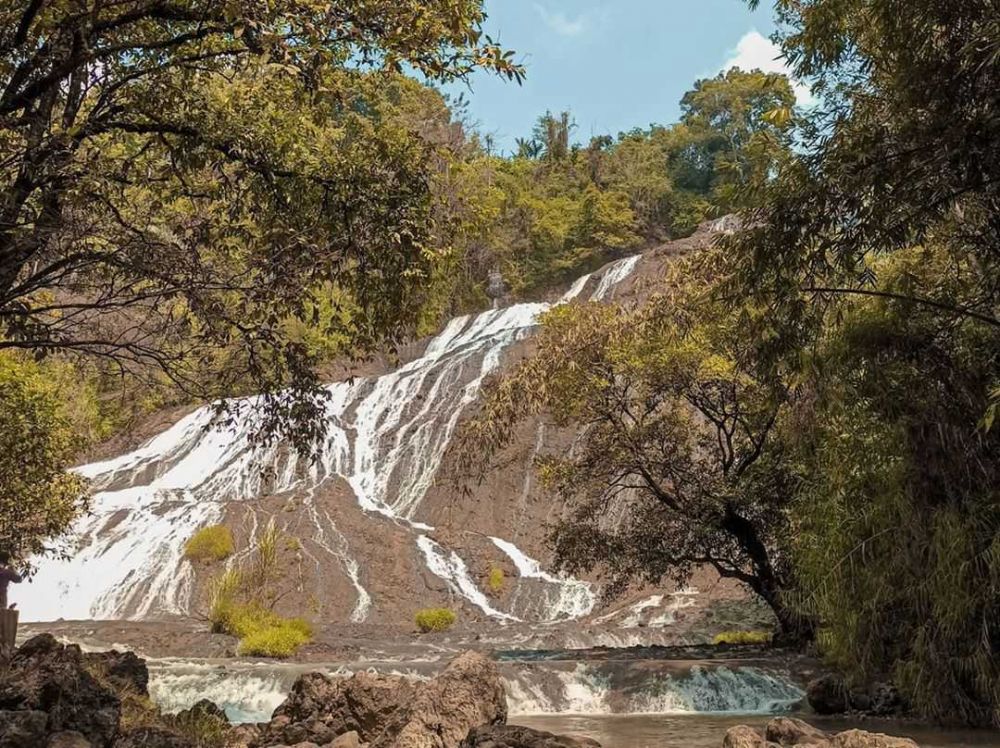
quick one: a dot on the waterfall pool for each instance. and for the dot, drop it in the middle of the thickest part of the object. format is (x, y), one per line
(708, 730)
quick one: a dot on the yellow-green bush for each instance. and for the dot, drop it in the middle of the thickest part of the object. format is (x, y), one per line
(742, 637)
(279, 637)
(213, 543)
(435, 619)
(496, 580)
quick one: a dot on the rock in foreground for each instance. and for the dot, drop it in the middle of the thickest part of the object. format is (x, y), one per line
(784, 732)
(389, 711)
(511, 736)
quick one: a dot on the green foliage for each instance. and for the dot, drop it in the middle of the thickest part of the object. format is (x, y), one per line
(496, 580)
(679, 443)
(435, 619)
(262, 134)
(742, 637)
(898, 506)
(214, 543)
(38, 499)
(884, 302)
(242, 601)
(276, 638)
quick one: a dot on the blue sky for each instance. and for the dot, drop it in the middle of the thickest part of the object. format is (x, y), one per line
(615, 64)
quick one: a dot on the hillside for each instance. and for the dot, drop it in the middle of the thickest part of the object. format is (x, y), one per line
(373, 530)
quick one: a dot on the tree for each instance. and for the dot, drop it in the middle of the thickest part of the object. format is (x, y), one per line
(897, 154)
(897, 542)
(736, 134)
(38, 499)
(554, 134)
(875, 250)
(677, 439)
(177, 177)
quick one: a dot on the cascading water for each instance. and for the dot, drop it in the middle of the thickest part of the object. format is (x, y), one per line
(386, 438)
(250, 692)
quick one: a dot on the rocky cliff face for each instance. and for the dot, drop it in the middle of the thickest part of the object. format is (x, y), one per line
(379, 534)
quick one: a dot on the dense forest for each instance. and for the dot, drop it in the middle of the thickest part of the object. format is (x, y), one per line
(201, 201)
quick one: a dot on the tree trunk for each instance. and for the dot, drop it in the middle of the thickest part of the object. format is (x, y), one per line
(8, 629)
(794, 628)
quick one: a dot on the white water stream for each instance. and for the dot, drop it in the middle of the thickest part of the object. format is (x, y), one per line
(386, 437)
(251, 692)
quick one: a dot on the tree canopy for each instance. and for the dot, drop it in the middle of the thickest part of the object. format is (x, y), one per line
(178, 177)
(37, 444)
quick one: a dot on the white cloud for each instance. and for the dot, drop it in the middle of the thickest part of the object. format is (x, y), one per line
(562, 24)
(756, 52)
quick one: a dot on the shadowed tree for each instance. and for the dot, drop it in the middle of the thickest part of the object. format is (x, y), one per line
(176, 177)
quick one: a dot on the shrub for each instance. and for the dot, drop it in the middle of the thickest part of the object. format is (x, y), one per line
(742, 637)
(277, 638)
(496, 580)
(241, 603)
(213, 543)
(435, 619)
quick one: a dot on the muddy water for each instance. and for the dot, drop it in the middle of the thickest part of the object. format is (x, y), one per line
(707, 731)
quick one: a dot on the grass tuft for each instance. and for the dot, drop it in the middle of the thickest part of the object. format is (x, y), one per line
(209, 544)
(742, 637)
(277, 638)
(435, 619)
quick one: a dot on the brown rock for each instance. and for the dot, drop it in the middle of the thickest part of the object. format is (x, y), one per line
(69, 739)
(862, 739)
(22, 729)
(320, 708)
(511, 736)
(242, 736)
(153, 737)
(828, 694)
(743, 736)
(347, 740)
(49, 678)
(468, 694)
(788, 732)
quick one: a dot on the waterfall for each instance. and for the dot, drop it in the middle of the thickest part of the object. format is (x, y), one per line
(251, 692)
(386, 438)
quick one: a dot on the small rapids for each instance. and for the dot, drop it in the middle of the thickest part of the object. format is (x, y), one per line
(250, 692)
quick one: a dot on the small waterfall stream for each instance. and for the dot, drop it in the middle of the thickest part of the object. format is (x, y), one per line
(250, 692)
(386, 437)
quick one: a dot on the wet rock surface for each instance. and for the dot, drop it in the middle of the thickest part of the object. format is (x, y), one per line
(829, 694)
(784, 732)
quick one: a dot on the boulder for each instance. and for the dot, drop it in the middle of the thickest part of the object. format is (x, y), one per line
(68, 739)
(347, 740)
(862, 739)
(469, 693)
(786, 731)
(126, 671)
(828, 694)
(320, 708)
(55, 680)
(511, 736)
(204, 709)
(389, 711)
(23, 729)
(743, 736)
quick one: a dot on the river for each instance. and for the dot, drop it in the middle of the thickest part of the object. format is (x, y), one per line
(708, 730)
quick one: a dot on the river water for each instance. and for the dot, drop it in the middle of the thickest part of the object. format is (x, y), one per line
(708, 730)
(620, 703)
